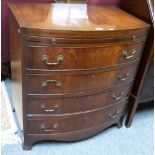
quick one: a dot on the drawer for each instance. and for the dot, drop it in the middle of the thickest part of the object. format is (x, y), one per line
(56, 84)
(61, 124)
(70, 105)
(81, 58)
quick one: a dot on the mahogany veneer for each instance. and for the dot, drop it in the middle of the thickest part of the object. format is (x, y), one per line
(72, 74)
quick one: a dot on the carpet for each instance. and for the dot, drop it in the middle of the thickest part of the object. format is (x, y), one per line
(8, 125)
(136, 140)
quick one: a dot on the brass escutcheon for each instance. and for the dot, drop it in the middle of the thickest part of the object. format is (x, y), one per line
(53, 42)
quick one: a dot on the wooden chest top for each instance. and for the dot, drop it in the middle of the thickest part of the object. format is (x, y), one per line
(73, 18)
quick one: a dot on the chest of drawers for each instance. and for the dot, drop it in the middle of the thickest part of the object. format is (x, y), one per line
(73, 67)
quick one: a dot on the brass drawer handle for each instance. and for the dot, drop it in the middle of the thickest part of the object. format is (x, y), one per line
(117, 98)
(52, 109)
(57, 83)
(59, 59)
(113, 116)
(54, 42)
(128, 55)
(123, 78)
(134, 38)
(43, 127)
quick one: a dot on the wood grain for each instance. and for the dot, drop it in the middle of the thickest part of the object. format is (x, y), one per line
(73, 122)
(79, 83)
(67, 18)
(69, 105)
(82, 58)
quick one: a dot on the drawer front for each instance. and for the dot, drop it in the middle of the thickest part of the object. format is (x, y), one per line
(81, 58)
(61, 124)
(56, 84)
(70, 105)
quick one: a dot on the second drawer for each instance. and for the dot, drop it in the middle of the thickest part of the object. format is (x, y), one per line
(62, 84)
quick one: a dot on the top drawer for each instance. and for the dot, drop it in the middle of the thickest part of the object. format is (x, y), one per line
(81, 58)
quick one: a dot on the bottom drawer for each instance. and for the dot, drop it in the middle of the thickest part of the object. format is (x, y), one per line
(61, 124)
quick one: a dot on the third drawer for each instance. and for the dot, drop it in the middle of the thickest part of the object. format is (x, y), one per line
(70, 105)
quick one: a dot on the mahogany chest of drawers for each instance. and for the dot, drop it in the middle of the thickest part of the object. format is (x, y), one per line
(73, 67)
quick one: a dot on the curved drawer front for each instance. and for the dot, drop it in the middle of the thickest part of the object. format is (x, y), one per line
(51, 124)
(81, 58)
(70, 105)
(55, 84)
